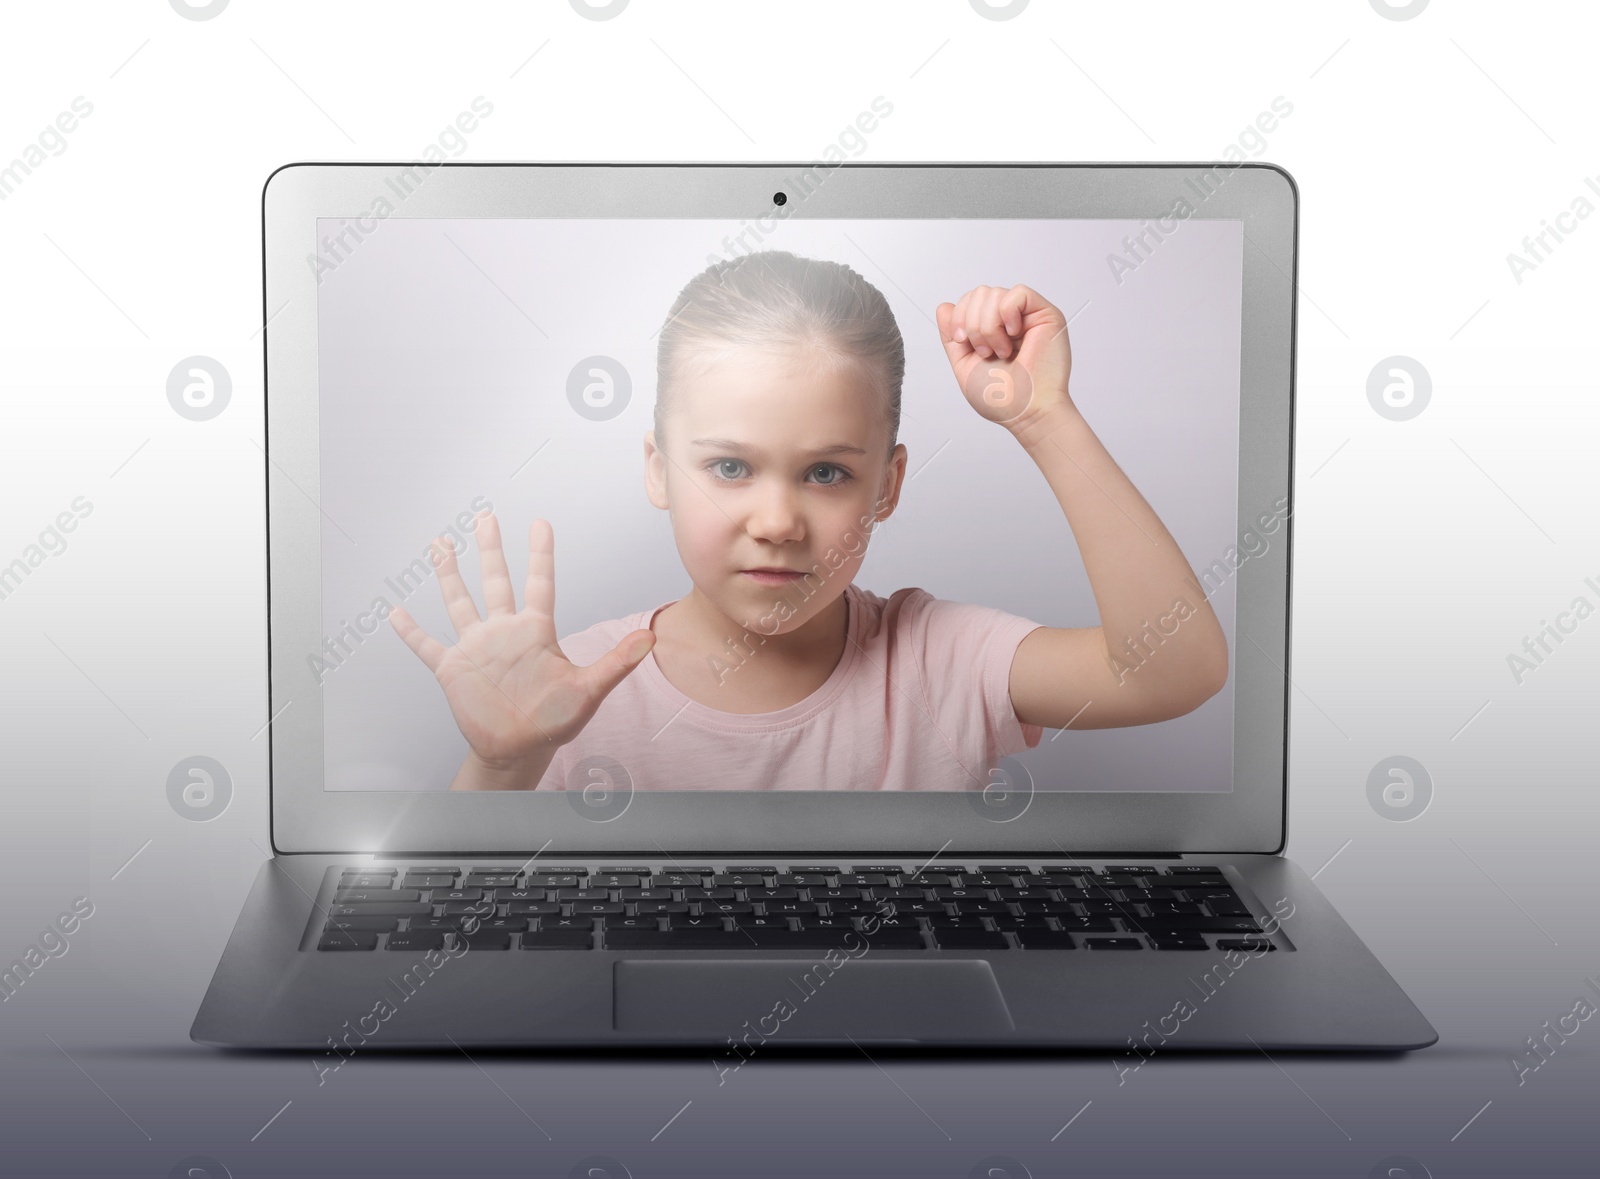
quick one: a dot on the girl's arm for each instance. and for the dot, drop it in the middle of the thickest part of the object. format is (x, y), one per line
(1159, 651)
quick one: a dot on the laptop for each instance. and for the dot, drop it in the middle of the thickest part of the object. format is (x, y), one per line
(739, 607)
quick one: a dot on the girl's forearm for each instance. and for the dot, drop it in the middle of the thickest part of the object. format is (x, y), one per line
(523, 774)
(1138, 573)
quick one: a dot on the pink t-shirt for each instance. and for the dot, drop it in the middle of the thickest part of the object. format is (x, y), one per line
(920, 700)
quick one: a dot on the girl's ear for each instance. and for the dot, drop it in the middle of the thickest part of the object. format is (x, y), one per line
(655, 471)
(893, 481)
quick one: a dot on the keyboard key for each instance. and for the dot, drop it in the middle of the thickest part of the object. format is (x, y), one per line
(970, 939)
(1174, 908)
(483, 908)
(1251, 944)
(369, 880)
(709, 894)
(558, 939)
(694, 921)
(362, 896)
(1113, 943)
(433, 870)
(835, 894)
(615, 880)
(550, 880)
(490, 880)
(645, 908)
(1153, 894)
(1235, 925)
(1221, 904)
(1195, 870)
(890, 869)
(938, 921)
(791, 908)
(439, 895)
(431, 923)
(363, 924)
(583, 894)
(520, 894)
(485, 940)
(822, 939)
(622, 921)
(805, 879)
(675, 939)
(508, 924)
(1192, 941)
(771, 894)
(437, 880)
(555, 924)
(861, 879)
(402, 910)
(892, 938)
(1008, 921)
(421, 940)
(756, 869)
(1002, 869)
(1100, 908)
(677, 880)
(740, 880)
(1046, 939)
(614, 870)
(646, 894)
(369, 871)
(343, 940)
(596, 908)
(709, 907)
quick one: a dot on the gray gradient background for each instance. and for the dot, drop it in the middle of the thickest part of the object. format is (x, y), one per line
(1426, 550)
(438, 387)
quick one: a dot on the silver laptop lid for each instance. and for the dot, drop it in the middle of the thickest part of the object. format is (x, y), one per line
(426, 325)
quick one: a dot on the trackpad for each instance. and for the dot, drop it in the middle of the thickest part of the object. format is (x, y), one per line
(809, 998)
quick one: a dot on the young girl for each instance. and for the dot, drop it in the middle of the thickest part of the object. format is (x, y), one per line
(775, 452)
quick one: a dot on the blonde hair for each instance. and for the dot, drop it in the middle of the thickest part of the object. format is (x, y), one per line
(777, 300)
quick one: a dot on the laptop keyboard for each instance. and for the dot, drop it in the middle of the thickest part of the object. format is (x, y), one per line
(794, 907)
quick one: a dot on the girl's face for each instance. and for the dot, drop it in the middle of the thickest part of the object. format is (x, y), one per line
(774, 460)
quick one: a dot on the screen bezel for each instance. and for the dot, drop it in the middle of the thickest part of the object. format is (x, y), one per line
(306, 818)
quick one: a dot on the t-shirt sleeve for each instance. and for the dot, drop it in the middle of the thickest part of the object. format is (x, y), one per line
(967, 651)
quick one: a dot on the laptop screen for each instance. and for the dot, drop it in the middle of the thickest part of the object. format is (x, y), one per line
(872, 554)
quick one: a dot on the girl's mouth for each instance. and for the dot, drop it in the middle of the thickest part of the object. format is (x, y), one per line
(773, 576)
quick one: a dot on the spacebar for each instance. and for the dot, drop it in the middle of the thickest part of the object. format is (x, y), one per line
(760, 939)
(676, 939)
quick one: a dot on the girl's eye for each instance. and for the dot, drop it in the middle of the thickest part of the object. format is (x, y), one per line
(728, 470)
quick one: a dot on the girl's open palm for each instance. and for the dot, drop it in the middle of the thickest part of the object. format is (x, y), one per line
(512, 691)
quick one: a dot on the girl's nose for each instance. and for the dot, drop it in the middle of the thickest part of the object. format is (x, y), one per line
(774, 517)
